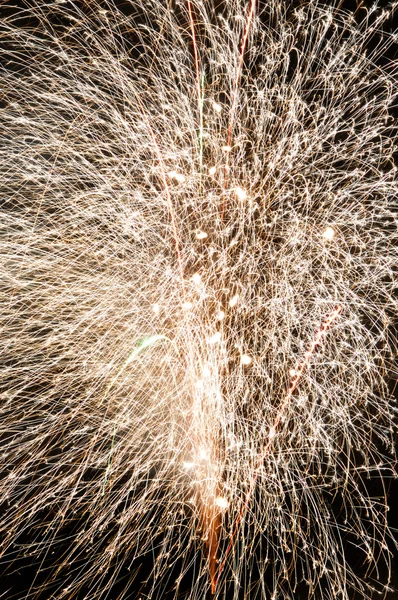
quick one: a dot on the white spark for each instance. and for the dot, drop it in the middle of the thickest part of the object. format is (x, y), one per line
(329, 233)
(215, 338)
(240, 193)
(245, 359)
(222, 502)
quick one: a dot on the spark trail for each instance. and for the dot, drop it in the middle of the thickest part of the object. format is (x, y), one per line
(198, 257)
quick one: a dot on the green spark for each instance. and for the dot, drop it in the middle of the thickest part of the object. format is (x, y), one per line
(143, 343)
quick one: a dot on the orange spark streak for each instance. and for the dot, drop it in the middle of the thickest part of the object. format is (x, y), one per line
(212, 523)
(320, 334)
(212, 549)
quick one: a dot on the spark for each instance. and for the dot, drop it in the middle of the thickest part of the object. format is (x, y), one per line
(240, 193)
(177, 176)
(234, 301)
(215, 338)
(329, 233)
(187, 305)
(221, 502)
(245, 359)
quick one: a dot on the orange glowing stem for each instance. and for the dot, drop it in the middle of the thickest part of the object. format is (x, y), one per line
(320, 334)
(212, 547)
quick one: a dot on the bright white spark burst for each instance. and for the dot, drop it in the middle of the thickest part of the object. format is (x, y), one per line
(198, 253)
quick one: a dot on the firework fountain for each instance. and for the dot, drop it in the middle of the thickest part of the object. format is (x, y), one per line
(198, 261)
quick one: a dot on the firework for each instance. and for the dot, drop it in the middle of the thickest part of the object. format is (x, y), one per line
(198, 253)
